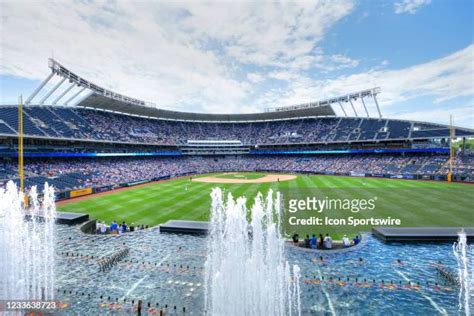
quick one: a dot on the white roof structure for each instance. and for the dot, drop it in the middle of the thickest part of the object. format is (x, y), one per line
(104, 99)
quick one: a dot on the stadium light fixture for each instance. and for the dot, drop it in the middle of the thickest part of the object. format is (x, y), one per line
(62, 71)
(348, 98)
(58, 70)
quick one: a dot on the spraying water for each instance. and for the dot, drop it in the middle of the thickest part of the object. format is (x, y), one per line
(465, 257)
(246, 271)
(26, 244)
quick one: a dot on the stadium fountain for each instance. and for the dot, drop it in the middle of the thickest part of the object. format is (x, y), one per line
(246, 272)
(26, 244)
(465, 258)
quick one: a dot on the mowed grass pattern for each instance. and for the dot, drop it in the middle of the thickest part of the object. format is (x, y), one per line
(417, 203)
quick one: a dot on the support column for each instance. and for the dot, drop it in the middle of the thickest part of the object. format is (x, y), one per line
(37, 90)
(367, 112)
(63, 94)
(377, 104)
(51, 91)
(75, 95)
(342, 108)
(353, 108)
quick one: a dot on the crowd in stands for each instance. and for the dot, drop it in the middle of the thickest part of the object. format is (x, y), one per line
(462, 164)
(81, 123)
(69, 174)
(324, 242)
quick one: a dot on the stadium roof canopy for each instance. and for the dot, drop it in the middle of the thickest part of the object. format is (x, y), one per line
(104, 103)
(98, 97)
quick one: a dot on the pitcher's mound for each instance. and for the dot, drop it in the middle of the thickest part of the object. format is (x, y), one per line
(265, 179)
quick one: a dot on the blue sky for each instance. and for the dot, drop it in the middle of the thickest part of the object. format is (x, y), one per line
(243, 56)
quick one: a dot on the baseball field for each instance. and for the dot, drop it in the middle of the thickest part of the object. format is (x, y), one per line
(415, 203)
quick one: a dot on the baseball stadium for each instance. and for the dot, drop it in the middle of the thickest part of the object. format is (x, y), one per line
(139, 190)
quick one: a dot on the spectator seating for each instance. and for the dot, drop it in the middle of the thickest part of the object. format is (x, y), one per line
(68, 174)
(82, 123)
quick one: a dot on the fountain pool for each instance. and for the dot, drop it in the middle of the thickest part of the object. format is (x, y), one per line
(167, 272)
(168, 269)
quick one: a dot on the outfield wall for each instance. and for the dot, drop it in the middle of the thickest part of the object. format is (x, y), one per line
(70, 194)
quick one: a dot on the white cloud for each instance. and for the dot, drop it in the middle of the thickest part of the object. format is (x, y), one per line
(270, 33)
(187, 56)
(410, 6)
(443, 79)
(337, 62)
(132, 54)
(463, 115)
(254, 77)
(213, 57)
(283, 75)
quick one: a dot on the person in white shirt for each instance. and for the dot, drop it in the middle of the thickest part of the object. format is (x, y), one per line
(327, 242)
(345, 241)
(103, 228)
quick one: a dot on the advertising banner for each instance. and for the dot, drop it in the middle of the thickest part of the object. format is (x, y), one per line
(80, 192)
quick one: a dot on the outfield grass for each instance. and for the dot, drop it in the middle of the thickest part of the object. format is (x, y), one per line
(416, 203)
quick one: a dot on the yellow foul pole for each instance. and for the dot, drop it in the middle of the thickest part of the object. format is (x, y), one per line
(20, 144)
